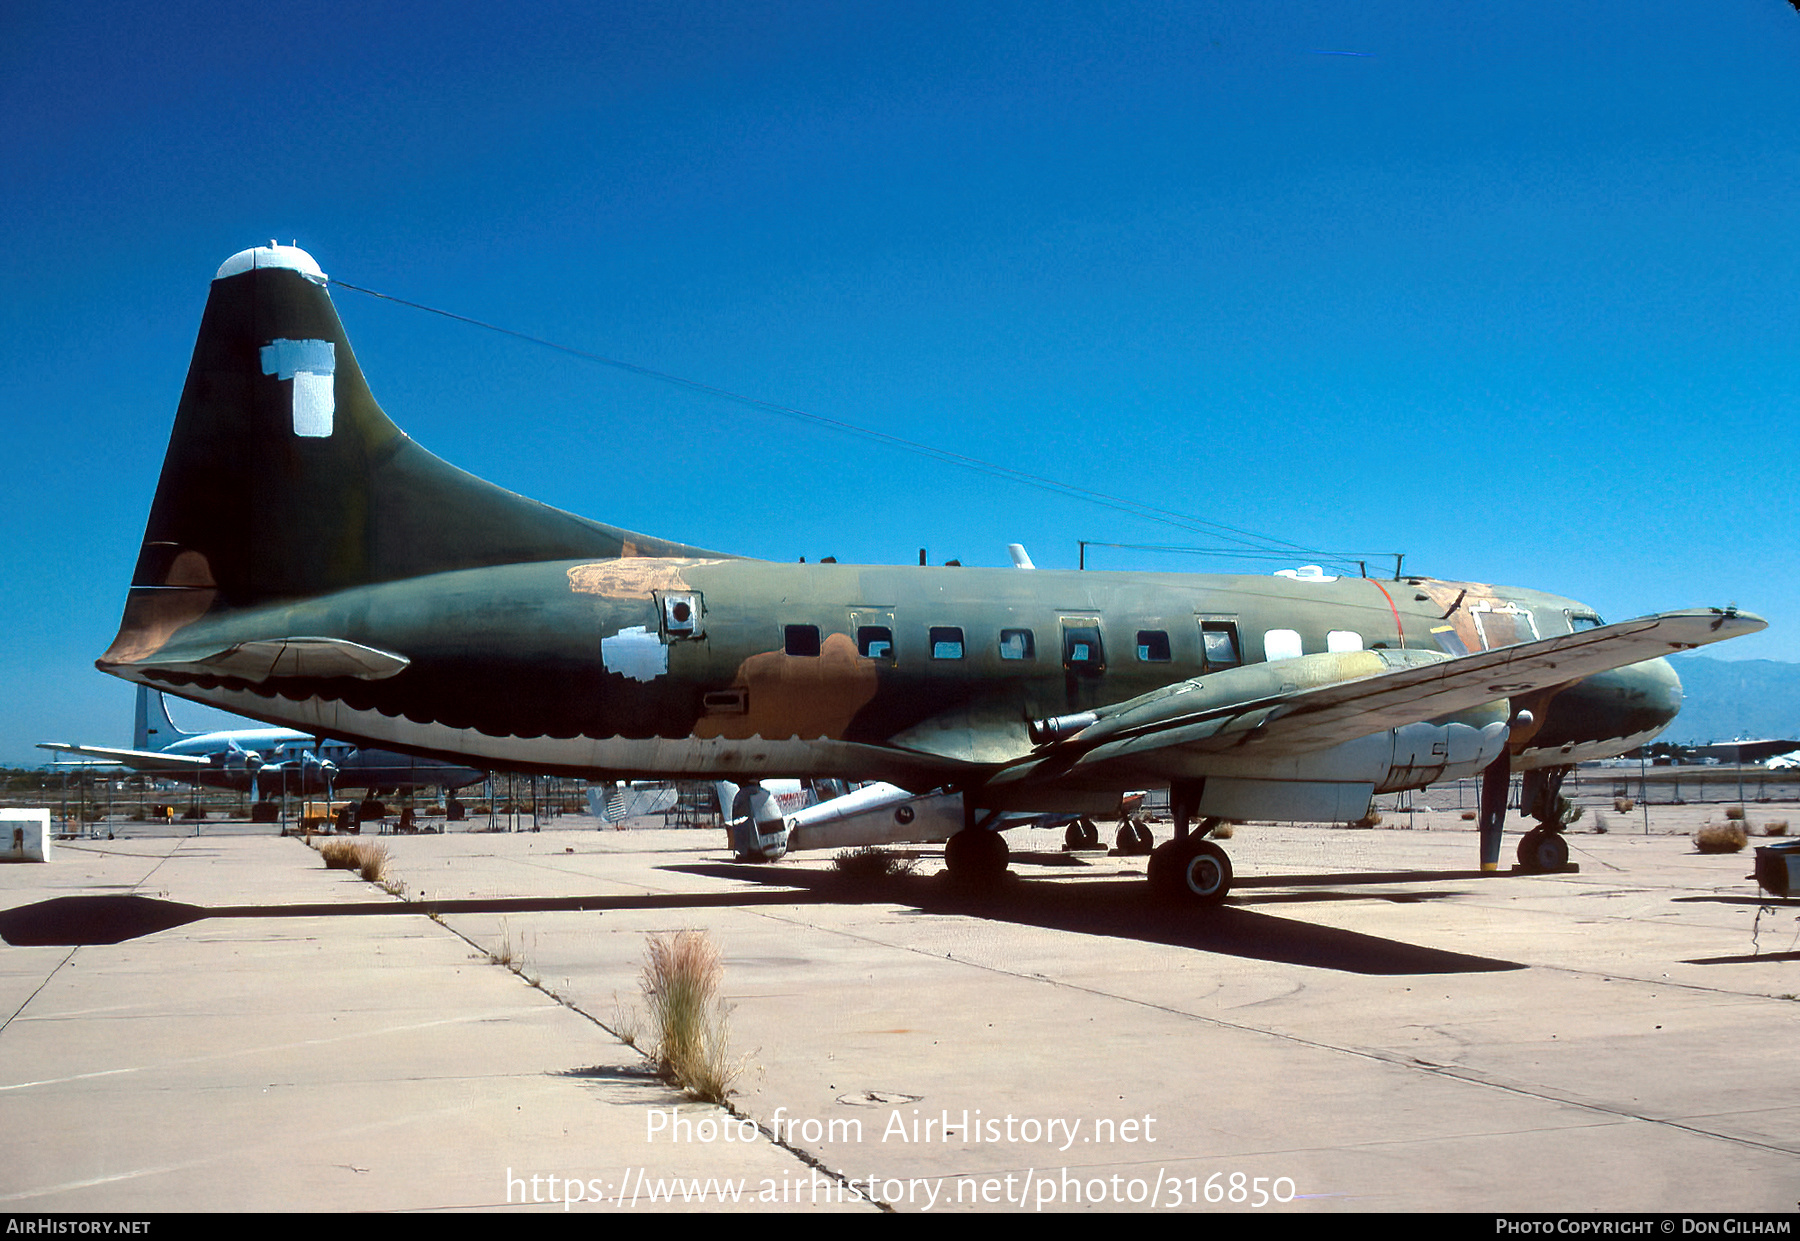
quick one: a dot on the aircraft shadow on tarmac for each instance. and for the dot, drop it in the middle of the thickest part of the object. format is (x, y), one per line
(1121, 910)
(1108, 908)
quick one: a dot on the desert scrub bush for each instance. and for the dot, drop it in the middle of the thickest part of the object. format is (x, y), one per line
(1623, 805)
(1775, 827)
(870, 862)
(1720, 838)
(1734, 813)
(1223, 830)
(682, 973)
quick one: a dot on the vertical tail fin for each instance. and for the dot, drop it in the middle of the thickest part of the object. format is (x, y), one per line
(285, 480)
(154, 730)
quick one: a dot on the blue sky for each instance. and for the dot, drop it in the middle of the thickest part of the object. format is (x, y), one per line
(1511, 290)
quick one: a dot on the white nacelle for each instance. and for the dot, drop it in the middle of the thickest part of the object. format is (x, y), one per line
(1335, 785)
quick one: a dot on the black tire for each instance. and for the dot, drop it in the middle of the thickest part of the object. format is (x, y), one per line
(1081, 834)
(1543, 850)
(1191, 871)
(976, 856)
(1134, 838)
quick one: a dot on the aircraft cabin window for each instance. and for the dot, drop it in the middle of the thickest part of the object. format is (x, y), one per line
(1221, 643)
(1583, 620)
(802, 639)
(1082, 651)
(1153, 646)
(946, 642)
(875, 642)
(1017, 644)
(1281, 644)
(1343, 640)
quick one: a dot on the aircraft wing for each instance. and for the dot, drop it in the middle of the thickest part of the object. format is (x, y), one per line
(149, 761)
(1387, 689)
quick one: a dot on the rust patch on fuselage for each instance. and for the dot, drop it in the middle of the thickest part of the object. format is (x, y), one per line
(632, 578)
(1455, 598)
(190, 568)
(152, 617)
(802, 696)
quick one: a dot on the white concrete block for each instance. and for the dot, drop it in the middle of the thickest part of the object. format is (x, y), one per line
(24, 835)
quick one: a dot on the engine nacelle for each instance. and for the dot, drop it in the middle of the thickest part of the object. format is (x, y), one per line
(1335, 785)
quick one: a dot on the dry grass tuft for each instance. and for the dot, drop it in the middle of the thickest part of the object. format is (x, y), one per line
(365, 857)
(1775, 827)
(1623, 805)
(371, 860)
(1223, 831)
(1469, 816)
(682, 973)
(506, 954)
(1734, 813)
(338, 854)
(1720, 838)
(870, 862)
(1371, 819)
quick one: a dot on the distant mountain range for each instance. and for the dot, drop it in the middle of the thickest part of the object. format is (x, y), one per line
(1728, 699)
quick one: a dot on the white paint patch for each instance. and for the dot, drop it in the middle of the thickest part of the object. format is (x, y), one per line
(312, 365)
(635, 653)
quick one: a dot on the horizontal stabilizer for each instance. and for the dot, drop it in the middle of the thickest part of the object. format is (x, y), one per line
(290, 657)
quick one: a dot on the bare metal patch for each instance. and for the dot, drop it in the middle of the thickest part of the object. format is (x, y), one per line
(635, 653)
(632, 578)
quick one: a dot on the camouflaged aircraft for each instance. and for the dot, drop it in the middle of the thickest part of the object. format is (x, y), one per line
(307, 563)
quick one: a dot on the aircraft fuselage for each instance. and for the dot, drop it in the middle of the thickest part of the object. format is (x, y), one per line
(654, 667)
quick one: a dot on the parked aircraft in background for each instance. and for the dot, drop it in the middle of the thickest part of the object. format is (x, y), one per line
(262, 761)
(307, 564)
(619, 800)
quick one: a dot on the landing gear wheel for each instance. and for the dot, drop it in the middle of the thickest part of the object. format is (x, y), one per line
(1193, 871)
(1543, 850)
(976, 856)
(1081, 834)
(1134, 839)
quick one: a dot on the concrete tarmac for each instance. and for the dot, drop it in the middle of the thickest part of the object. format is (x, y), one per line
(217, 1022)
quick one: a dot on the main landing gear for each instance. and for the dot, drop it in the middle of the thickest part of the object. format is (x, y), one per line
(976, 856)
(1540, 795)
(1189, 869)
